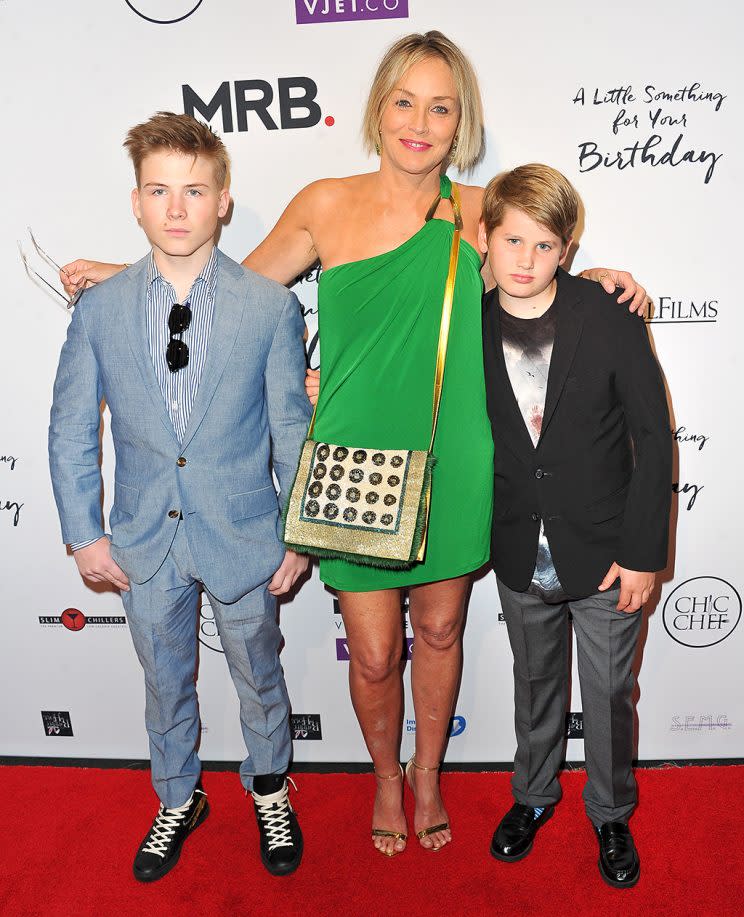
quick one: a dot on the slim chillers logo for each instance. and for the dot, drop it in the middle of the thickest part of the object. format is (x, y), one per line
(702, 611)
(164, 12)
(73, 619)
(310, 11)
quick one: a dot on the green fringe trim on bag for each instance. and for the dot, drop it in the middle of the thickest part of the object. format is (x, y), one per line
(383, 563)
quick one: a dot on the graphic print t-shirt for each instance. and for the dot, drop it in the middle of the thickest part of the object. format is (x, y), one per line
(528, 347)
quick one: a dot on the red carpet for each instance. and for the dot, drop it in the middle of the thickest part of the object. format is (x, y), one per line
(69, 836)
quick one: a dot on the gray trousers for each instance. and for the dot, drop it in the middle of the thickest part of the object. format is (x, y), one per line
(163, 619)
(606, 642)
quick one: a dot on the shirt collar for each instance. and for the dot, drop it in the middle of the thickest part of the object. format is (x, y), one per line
(207, 275)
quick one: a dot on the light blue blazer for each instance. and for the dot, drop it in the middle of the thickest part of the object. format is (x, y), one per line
(251, 413)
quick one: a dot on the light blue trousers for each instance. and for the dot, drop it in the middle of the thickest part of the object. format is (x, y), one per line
(163, 619)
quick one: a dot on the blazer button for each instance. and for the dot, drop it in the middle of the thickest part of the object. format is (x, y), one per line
(174, 514)
(538, 474)
(535, 517)
(180, 461)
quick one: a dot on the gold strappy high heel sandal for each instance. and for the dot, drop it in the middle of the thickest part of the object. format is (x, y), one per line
(383, 832)
(426, 832)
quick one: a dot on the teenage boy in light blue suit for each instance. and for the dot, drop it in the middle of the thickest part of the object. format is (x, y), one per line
(201, 363)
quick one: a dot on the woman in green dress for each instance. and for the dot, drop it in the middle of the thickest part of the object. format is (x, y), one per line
(380, 300)
(379, 326)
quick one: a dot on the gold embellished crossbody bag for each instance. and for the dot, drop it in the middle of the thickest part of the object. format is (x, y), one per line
(366, 505)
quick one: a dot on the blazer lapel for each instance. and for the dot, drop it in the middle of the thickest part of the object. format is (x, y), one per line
(569, 322)
(510, 408)
(135, 317)
(226, 322)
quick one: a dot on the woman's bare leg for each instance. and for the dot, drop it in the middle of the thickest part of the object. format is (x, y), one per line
(437, 612)
(374, 630)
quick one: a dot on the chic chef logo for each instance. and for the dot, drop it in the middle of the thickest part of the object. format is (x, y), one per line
(702, 611)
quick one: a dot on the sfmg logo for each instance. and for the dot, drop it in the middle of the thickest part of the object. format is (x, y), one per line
(702, 611)
(246, 104)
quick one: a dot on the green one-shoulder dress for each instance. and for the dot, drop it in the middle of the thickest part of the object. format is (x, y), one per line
(379, 325)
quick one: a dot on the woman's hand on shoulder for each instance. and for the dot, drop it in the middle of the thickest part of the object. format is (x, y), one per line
(290, 249)
(633, 293)
(80, 274)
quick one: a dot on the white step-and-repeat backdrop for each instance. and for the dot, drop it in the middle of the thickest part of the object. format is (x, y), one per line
(639, 105)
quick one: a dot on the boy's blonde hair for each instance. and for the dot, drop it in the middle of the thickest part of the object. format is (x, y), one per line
(540, 191)
(181, 134)
(398, 59)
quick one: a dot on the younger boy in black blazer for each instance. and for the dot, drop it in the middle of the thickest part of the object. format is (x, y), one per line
(582, 475)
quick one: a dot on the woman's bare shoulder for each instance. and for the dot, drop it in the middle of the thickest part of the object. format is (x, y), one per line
(332, 192)
(471, 194)
(472, 205)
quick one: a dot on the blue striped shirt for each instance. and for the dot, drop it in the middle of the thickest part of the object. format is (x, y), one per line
(179, 389)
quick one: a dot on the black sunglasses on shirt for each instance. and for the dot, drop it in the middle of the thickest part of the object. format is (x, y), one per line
(177, 352)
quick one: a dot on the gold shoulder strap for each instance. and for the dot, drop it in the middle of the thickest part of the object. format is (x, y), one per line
(449, 290)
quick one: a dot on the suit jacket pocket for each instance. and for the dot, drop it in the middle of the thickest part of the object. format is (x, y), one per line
(252, 503)
(126, 498)
(609, 507)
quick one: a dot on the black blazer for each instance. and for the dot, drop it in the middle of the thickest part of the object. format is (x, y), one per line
(600, 476)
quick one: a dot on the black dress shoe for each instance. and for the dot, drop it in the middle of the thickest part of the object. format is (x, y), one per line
(619, 865)
(513, 838)
(279, 831)
(161, 848)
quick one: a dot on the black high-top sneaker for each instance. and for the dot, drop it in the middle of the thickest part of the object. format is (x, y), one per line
(279, 830)
(161, 848)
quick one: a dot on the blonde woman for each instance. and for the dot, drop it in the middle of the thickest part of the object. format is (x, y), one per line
(380, 298)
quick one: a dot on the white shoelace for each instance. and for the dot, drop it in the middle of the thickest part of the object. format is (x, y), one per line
(274, 812)
(164, 826)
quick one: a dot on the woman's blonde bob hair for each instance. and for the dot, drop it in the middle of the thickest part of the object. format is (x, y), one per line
(403, 55)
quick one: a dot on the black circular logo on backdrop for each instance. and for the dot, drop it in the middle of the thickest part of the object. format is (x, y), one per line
(702, 611)
(164, 12)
